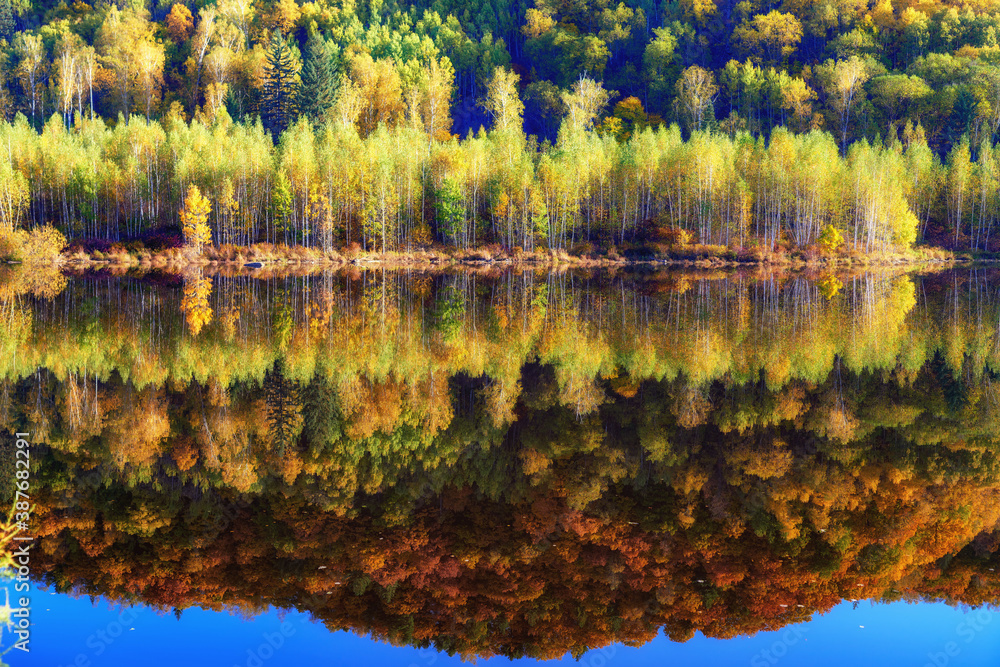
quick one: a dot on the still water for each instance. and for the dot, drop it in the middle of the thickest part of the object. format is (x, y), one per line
(409, 468)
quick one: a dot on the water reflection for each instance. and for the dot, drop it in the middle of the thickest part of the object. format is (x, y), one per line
(514, 463)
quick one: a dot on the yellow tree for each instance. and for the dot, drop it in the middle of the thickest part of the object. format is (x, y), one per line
(194, 219)
(775, 35)
(13, 197)
(585, 103)
(148, 60)
(430, 99)
(134, 57)
(381, 89)
(179, 23)
(350, 103)
(796, 97)
(67, 84)
(195, 303)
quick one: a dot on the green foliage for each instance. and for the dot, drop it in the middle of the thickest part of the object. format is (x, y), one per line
(450, 211)
(317, 91)
(280, 90)
(449, 314)
(281, 205)
(283, 409)
(6, 20)
(875, 559)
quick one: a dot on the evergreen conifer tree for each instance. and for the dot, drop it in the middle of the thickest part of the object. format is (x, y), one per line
(283, 407)
(318, 89)
(6, 20)
(963, 114)
(280, 87)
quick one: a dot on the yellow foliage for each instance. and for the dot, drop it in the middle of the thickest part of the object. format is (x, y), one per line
(179, 23)
(699, 9)
(41, 245)
(831, 238)
(830, 286)
(195, 306)
(194, 218)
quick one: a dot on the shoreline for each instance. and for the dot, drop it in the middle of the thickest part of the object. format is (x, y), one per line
(276, 257)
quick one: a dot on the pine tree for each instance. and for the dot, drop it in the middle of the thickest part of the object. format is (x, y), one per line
(280, 86)
(318, 89)
(6, 20)
(963, 114)
(283, 407)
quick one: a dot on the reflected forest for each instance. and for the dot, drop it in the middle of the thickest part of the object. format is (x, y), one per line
(511, 463)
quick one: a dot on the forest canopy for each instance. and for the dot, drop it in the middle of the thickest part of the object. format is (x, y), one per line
(528, 124)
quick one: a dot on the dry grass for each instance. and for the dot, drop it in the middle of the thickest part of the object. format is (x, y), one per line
(583, 255)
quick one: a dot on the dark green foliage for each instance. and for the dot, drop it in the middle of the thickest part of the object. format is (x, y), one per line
(278, 103)
(962, 115)
(318, 88)
(876, 559)
(321, 419)
(283, 408)
(6, 20)
(449, 313)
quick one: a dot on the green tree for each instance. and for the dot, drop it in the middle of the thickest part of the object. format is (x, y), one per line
(284, 408)
(6, 20)
(661, 67)
(319, 76)
(281, 204)
(963, 113)
(450, 210)
(280, 87)
(897, 95)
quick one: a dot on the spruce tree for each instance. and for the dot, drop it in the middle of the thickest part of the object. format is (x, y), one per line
(963, 113)
(280, 88)
(6, 20)
(318, 90)
(283, 407)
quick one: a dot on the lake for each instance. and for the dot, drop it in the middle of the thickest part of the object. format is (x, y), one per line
(737, 466)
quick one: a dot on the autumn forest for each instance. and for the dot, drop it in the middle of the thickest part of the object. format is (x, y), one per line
(512, 328)
(641, 127)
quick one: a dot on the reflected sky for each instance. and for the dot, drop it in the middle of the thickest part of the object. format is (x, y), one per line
(72, 631)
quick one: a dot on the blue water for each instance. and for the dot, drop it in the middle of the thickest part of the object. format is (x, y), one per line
(80, 633)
